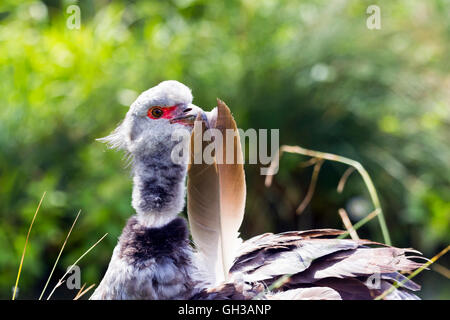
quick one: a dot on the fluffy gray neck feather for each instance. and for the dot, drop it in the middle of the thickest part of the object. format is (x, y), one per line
(158, 186)
(153, 259)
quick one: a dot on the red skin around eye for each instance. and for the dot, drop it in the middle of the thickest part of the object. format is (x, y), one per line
(168, 112)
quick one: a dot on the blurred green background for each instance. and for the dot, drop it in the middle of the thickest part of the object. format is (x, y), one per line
(311, 68)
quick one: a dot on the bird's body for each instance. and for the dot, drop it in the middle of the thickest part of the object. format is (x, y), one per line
(154, 258)
(313, 264)
(150, 264)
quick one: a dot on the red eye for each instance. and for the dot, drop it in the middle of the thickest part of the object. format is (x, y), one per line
(155, 112)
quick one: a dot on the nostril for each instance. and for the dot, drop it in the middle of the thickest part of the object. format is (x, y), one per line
(187, 109)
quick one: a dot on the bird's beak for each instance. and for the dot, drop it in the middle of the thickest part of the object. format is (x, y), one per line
(188, 115)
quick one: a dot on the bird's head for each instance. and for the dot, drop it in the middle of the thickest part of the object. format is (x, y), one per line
(152, 119)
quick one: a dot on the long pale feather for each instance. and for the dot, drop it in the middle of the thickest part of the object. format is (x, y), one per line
(232, 185)
(203, 205)
(216, 196)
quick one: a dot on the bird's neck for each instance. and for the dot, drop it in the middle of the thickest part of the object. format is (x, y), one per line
(158, 187)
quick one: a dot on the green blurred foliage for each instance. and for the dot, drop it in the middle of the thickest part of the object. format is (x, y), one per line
(310, 68)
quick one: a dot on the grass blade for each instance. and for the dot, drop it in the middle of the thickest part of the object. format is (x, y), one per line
(59, 255)
(312, 187)
(361, 222)
(332, 157)
(280, 282)
(61, 281)
(412, 275)
(79, 295)
(344, 178)
(348, 224)
(79, 291)
(441, 270)
(25, 247)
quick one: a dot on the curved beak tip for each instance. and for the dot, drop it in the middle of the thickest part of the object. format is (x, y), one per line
(188, 115)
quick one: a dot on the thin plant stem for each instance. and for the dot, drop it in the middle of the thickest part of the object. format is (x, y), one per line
(348, 224)
(308, 163)
(332, 157)
(412, 275)
(312, 187)
(59, 255)
(361, 222)
(61, 281)
(84, 292)
(441, 270)
(79, 291)
(281, 281)
(344, 178)
(25, 247)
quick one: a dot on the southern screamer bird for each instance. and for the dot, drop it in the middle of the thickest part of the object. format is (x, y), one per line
(154, 259)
